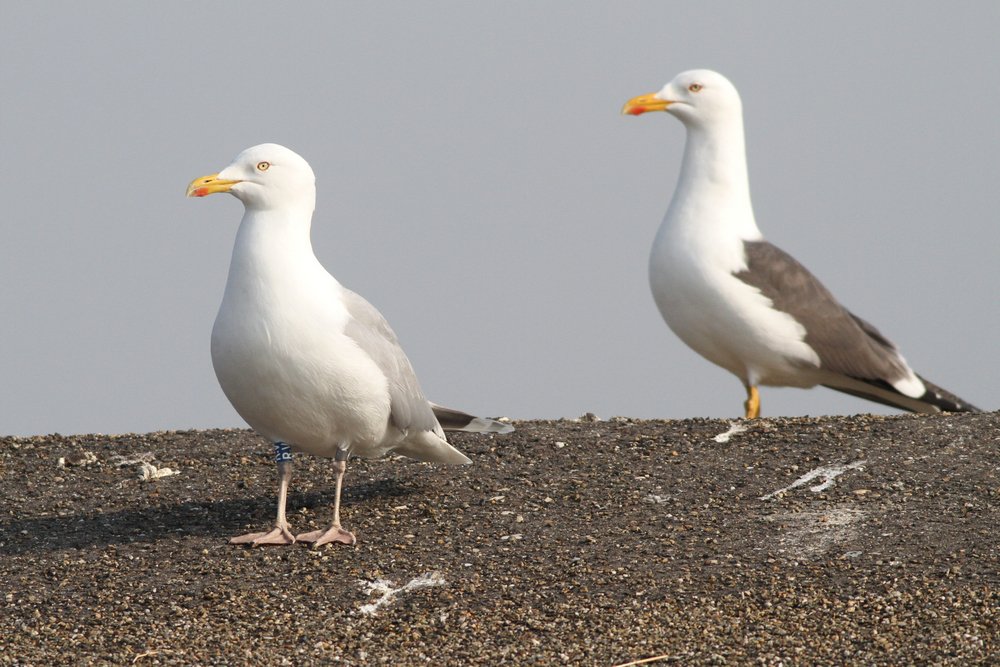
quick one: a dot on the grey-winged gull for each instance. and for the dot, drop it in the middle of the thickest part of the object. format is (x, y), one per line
(309, 364)
(743, 303)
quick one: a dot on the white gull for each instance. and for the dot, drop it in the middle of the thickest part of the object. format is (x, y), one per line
(309, 364)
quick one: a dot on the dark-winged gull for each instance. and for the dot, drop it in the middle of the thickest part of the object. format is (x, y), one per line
(309, 364)
(743, 303)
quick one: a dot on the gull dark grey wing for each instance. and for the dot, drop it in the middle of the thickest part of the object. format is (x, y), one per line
(845, 343)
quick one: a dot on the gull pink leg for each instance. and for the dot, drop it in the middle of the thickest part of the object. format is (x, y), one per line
(335, 533)
(280, 534)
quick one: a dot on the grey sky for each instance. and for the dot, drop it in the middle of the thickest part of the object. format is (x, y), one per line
(476, 183)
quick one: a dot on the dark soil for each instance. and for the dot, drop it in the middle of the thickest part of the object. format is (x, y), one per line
(567, 542)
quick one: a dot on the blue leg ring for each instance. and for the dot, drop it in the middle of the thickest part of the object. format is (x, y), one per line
(282, 452)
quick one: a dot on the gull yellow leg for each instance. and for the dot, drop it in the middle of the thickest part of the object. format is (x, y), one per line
(752, 404)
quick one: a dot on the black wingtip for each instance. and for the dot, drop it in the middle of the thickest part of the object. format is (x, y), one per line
(456, 420)
(945, 400)
(934, 398)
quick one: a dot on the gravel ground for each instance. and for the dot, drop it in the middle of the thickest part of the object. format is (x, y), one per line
(568, 542)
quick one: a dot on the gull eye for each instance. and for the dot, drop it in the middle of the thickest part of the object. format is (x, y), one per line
(263, 166)
(695, 87)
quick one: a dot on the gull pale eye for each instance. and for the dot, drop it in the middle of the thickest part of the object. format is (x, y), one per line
(695, 87)
(263, 166)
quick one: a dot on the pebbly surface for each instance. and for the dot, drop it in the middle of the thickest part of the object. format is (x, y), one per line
(841, 540)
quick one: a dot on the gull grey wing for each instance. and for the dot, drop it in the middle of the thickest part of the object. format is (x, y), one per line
(846, 344)
(409, 407)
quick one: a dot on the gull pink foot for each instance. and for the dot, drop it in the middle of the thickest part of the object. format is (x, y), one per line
(331, 534)
(280, 535)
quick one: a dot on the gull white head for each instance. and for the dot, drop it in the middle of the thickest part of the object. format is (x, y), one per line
(713, 174)
(698, 97)
(266, 176)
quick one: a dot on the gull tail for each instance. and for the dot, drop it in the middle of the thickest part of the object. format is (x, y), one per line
(456, 420)
(428, 446)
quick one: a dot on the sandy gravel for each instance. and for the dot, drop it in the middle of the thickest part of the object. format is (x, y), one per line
(568, 542)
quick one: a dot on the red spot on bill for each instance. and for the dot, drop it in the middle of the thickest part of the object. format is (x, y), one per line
(637, 110)
(200, 192)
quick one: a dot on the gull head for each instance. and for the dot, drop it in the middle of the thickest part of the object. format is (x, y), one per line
(698, 97)
(266, 176)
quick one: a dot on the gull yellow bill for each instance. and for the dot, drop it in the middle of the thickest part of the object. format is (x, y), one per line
(209, 185)
(643, 103)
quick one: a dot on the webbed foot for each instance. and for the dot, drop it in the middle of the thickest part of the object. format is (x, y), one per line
(279, 536)
(331, 534)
